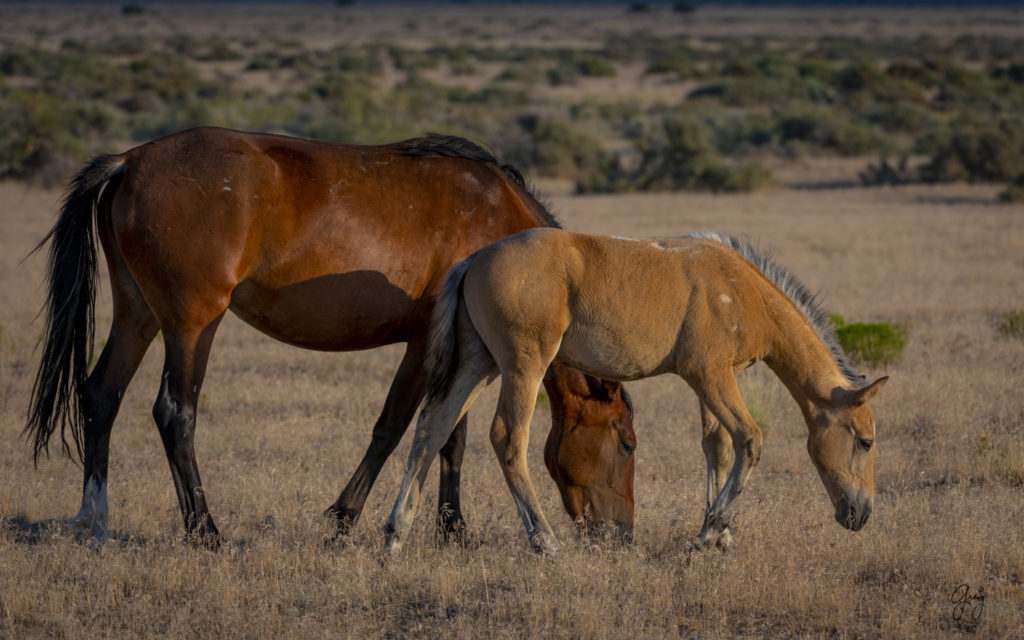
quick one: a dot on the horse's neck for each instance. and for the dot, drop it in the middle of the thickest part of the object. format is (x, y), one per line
(802, 361)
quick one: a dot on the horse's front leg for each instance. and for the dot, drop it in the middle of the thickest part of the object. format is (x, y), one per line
(450, 522)
(722, 399)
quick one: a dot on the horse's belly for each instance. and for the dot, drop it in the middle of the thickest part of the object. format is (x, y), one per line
(337, 312)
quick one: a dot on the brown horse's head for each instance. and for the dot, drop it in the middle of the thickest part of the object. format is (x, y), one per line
(589, 450)
(842, 445)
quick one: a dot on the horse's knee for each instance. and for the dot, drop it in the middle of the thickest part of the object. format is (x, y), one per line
(174, 418)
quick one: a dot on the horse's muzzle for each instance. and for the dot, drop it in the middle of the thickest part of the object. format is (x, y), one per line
(853, 515)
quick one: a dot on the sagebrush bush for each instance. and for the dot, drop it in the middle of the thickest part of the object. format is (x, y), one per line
(955, 101)
(979, 151)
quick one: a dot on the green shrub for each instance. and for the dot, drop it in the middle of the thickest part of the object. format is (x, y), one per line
(977, 151)
(680, 63)
(564, 150)
(38, 131)
(675, 152)
(577, 64)
(1011, 324)
(885, 173)
(871, 343)
(519, 73)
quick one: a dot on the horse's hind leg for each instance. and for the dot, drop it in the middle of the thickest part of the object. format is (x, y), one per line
(717, 446)
(186, 355)
(403, 398)
(131, 333)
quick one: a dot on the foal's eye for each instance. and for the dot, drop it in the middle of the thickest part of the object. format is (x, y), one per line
(628, 448)
(864, 443)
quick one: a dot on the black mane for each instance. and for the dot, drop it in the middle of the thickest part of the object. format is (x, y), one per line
(436, 144)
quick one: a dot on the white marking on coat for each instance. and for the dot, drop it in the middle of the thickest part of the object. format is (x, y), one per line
(226, 189)
(724, 298)
(93, 516)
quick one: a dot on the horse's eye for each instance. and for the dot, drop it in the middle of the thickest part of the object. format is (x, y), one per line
(864, 444)
(628, 448)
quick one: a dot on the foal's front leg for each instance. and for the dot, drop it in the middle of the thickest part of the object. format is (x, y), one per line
(510, 435)
(721, 397)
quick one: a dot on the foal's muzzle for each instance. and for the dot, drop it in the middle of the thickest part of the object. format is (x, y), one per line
(853, 515)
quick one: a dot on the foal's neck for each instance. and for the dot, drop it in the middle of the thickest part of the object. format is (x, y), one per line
(802, 361)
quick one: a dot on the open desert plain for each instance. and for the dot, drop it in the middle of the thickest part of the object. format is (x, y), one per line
(280, 429)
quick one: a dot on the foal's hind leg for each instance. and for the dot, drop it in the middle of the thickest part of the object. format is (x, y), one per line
(131, 333)
(186, 354)
(717, 446)
(437, 420)
(403, 398)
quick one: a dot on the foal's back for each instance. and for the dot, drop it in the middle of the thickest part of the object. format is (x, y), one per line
(617, 308)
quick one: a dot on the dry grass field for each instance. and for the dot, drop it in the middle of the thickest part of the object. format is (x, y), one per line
(281, 429)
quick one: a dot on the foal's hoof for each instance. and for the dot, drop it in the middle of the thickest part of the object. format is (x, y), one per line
(724, 540)
(392, 543)
(708, 538)
(545, 544)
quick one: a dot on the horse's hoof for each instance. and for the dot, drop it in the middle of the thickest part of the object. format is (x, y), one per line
(91, 529)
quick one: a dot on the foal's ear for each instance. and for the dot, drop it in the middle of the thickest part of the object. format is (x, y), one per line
(866, 394)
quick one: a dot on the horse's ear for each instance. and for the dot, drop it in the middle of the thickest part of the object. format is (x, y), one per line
(601, 390)
(862, 396)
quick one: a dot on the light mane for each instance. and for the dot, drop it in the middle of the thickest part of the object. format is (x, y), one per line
(804, 299)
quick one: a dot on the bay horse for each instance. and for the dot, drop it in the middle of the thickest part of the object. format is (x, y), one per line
(323, 246)
(702, 307)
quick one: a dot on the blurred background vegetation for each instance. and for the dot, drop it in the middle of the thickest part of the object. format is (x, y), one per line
(918, 109)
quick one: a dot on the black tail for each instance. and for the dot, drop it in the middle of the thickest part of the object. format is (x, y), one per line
(71, 294)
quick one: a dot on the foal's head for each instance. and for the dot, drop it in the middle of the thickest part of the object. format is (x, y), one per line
(589, 450)
(842, 445)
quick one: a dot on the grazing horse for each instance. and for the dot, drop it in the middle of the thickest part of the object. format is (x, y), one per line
(323, 246)
(593, 471)
(703, 307)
